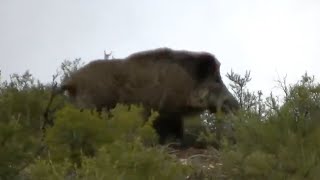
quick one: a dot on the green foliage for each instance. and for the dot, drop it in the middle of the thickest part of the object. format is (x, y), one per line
(75, 132)
(23, 99)
(208, 130)
(118, 160)
(84, 132)
(115, 145)
(47, 170)
(15, 149)
(79, 144)
(22, 103)
(127, 123)
(132, 161)
(201, 131)
(285, 145)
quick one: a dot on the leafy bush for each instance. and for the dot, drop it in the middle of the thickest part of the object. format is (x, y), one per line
(118, 145)
(285, 145)
(84, 132)
(118, 160)
(22, 103)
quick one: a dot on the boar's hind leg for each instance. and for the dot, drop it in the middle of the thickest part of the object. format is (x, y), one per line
(169, 124)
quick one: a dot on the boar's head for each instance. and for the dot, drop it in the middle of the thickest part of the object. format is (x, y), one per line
(204, 68)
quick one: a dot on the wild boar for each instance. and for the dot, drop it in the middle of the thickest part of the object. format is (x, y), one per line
(175, 83)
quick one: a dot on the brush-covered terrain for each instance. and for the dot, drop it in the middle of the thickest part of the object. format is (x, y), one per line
(271, 137)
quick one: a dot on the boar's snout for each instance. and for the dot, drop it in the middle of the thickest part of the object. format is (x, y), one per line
(214, 97)
(226, 101)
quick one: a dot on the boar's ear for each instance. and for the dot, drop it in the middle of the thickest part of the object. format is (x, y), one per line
(207, 65)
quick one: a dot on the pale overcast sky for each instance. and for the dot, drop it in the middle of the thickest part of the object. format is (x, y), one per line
(268, 37)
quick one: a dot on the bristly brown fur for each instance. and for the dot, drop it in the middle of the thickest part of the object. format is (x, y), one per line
(107, 82)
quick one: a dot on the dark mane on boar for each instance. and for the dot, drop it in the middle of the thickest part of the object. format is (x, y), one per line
(175, 83)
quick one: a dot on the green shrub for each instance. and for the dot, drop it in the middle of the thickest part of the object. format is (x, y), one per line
(84, 132)
(118, 160)
(119, 145)
(285, 145)
(22, 105)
